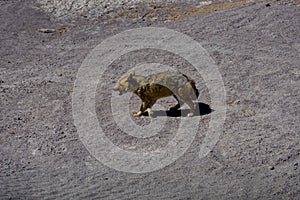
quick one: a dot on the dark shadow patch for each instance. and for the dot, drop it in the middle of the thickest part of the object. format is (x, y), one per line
(202, 109)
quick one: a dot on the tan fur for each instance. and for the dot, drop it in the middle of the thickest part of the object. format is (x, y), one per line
(154, 87)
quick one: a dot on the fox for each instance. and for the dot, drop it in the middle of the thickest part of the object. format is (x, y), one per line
(153, 87)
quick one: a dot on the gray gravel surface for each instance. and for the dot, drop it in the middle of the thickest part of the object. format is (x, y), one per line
(63, 8)
(256, 47)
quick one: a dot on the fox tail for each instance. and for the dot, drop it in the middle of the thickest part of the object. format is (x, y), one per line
(193, 84)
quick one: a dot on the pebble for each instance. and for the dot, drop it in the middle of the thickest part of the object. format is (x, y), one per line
(295, 166)
(46, 30)
(248, 112)
(204, 3)
(237, 101)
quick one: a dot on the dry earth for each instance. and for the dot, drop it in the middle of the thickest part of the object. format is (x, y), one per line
(256, 46)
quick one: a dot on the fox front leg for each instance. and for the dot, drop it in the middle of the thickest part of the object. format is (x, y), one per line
(137, 114)
(145, 106)
(142, 110)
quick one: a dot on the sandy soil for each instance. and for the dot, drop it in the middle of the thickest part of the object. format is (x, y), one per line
(256, 46)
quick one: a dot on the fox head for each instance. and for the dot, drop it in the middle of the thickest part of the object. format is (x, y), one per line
(126, 84)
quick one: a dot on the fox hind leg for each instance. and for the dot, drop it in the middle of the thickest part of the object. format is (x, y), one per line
(191, 104)
(187, 94)
(150, 113)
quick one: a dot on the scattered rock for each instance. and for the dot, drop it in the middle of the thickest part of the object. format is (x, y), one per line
(237, 101)
(46, 30)
(295, 166)
(132, 147)
(248, 112)
(204, 3)
(272, 168)
(268, 5)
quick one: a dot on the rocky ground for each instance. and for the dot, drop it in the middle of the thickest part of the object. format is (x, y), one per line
(256, 46)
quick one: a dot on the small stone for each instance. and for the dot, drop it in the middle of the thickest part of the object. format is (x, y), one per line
(132, 147)
(295, 166)
(47, 30)
(204, 3)
(237, 101)
(268, 5)
(248, 112)
(272, 168)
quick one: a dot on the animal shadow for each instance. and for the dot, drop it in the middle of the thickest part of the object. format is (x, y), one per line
(201, 109)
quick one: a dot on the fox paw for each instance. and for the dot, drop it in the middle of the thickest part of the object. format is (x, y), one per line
(190, 114)
(150, 113)
(137, 114)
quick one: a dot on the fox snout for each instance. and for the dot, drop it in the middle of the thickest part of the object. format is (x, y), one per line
(116, 88)
(119, 89)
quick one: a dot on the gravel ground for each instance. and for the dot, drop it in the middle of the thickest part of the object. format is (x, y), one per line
(256, 47)
(72, 8)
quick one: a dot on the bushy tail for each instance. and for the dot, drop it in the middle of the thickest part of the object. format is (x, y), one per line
(193, 84)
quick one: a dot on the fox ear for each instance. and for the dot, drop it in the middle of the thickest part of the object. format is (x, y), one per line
(130, 77)
(132, 73)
